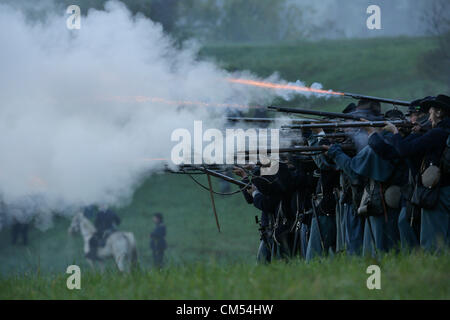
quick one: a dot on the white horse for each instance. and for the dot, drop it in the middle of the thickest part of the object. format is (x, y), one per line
(119, 245)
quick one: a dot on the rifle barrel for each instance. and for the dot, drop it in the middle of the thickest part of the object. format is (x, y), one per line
(384, 100)
(297, 149)
(270, 120)
(354, 124)
(330, 135)
(224, 177)
(316, 113)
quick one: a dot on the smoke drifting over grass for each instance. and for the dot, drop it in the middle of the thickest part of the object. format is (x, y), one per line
(67, 140)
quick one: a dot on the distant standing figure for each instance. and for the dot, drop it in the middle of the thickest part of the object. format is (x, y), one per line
(19, 230)
(22, 214)
(158, 240)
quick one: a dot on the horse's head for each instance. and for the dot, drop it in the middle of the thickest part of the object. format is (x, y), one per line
(75, 224)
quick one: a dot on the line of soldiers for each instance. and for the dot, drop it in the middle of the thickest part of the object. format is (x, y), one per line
(392, 192)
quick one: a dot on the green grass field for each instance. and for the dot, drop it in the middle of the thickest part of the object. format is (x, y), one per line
(415, 276)
(201, 263)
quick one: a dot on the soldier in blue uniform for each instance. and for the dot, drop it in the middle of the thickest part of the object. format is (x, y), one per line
(409, 217)
(267, 203)
(381, 223)
(322, 239)
(305, 182)
(158, 240)
(433, 181)
(282, 186)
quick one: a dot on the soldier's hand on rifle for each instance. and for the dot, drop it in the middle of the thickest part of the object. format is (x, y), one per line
(251, 189)
(239, 172)
(417, 127)
(317, 130)
(390, 128)
(333, 149)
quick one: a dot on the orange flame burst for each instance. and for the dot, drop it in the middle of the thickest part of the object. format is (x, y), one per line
(263, 84)
(38, 182)
(255, 83)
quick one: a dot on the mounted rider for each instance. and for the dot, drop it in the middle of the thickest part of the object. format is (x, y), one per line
(106, 222)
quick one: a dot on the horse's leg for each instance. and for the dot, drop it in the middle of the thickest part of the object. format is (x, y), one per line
(91, 263)
(121, 252)
(120, 262)
(102, 266)
(133, 258)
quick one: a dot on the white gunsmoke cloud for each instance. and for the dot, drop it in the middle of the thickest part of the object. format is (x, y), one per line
(68, 134)
(65, 135)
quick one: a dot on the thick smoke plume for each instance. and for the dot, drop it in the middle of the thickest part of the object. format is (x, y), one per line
(71, 134)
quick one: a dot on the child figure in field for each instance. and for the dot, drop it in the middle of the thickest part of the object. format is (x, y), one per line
(158, 240)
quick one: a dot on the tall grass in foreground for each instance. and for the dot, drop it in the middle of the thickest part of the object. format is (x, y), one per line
(405, 276)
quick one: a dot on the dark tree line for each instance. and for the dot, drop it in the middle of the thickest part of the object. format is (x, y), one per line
(162, 11)
(216, 20)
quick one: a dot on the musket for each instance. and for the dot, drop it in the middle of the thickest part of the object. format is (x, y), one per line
(384, 100)
(296, 149)
(213, 203)
(270, 120)
(317, 113)
(224, 177)
(372, 237)
(213, 173)
(353, 124)
(331, 135)
(313, 205)
(263, 235)
(193, 167)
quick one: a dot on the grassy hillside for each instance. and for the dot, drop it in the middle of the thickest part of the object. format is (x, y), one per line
(385, 67)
